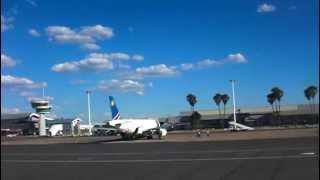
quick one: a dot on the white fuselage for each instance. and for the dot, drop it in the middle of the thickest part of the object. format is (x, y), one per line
(138, 126)
(130, 125)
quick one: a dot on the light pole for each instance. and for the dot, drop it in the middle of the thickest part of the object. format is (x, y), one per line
(89, 113)
(3, 86)
(234, 104)
(43, 91)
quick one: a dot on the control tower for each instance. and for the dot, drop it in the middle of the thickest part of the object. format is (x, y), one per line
(42, 107)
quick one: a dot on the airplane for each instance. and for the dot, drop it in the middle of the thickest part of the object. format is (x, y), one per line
(134, 128)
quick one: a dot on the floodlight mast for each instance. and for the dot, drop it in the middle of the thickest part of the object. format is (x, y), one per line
(89, 111)
(234, 104)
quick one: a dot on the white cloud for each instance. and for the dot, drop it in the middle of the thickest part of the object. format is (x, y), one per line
(90, 46)
(97, 31)
(65, 67)
(19, 82)
(59, 30)
(26, 93)
(123, 66)
(118, 56)
(237, 58)
(186, 66)
(94, 61)
(6, 23)
(208, 63)
(265, 8)
(156, 70)
(159, 70)
(23, 87)
(34, 33)
(86, 37)
(7, 61)
(162, 70)
(64, 34)
(121, 86)
(48, 98)
(10, 110)
(30, 96)
(137, 57)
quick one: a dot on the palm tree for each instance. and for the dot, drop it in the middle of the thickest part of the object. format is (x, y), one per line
(225, 98)
(192, 99)
(217, 99)
(271, 99)
(195, 116)
(278, 93)
(310, 92)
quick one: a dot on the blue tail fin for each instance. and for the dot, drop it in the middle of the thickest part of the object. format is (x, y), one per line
(114, 110)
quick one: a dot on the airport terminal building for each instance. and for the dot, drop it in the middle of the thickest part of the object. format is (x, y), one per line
(254, 117)
(27, 124)
(21, 123)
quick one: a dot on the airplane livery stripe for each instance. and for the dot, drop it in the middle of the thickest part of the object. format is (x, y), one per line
(117, 116)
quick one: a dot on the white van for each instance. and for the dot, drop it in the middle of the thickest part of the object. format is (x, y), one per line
(56, 130)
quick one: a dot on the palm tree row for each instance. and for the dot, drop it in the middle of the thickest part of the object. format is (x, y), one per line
(218, 98)
(224, 98)
(273, 98)
(192, 99)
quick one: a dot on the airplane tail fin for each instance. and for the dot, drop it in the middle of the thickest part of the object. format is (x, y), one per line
(114, 110)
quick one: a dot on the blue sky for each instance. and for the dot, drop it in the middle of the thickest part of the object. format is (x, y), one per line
(151, 54)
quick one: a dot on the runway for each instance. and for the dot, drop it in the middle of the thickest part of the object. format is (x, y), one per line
(294, 158)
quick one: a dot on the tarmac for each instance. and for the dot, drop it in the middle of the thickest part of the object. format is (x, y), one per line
(177, 136)
(269, 158)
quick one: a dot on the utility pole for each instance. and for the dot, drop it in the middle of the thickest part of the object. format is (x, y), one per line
(89, 113)
(234, 104)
